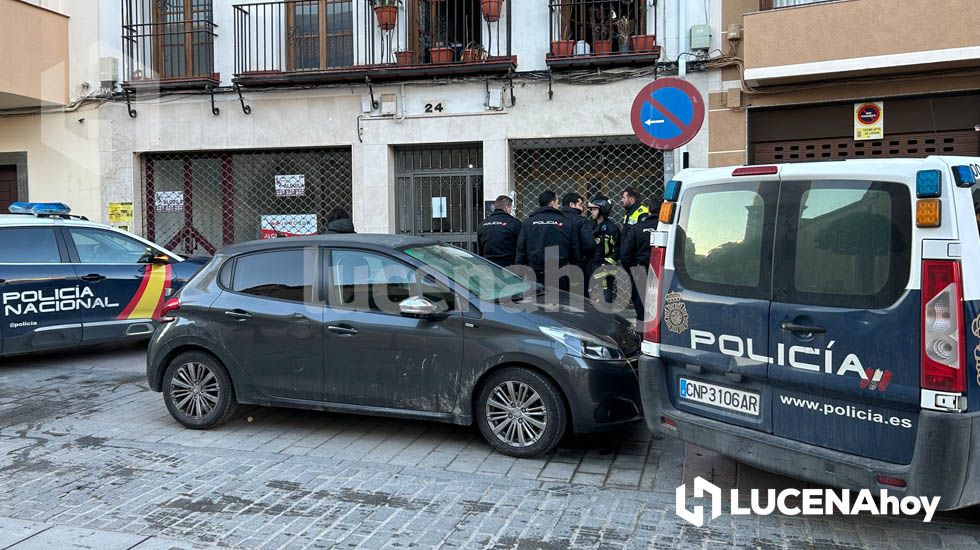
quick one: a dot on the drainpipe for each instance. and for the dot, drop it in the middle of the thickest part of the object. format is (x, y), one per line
(682, 41)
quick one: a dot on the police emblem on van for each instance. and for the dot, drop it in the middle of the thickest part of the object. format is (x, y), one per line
(675, 313)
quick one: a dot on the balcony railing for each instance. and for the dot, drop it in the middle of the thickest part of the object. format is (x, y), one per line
(288, 41)
(602, 32)
(776, 4)
(168, 43)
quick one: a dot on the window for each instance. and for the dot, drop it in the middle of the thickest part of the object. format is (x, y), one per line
(369, 282)
(320, 34)
(29, 245)
(846, 244)
(282, 274)
(96, 246)
(183, 38)
(484, 279)
(723, 242)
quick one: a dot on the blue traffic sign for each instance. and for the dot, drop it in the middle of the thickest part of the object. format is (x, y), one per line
(667, 113)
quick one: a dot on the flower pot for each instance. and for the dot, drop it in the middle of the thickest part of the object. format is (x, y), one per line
(602, 46)
(406, 57)
(441, 55)
(562, 48)
(644, 42)
(583, 48)
(387, 17)
(491, 9)
(472, 54)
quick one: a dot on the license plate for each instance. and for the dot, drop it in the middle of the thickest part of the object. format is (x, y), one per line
(719, 396)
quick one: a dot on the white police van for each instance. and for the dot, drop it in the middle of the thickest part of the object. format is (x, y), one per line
(822, 321)
(66, 281)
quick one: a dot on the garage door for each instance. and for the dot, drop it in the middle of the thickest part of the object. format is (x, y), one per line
(905, 145)
(8, 186)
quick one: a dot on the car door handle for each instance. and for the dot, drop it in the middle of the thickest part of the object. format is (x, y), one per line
(93, 277)
(342, 330)
(239, 314)
(802, 329)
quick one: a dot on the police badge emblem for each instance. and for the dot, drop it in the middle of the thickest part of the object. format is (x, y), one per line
(675, 313)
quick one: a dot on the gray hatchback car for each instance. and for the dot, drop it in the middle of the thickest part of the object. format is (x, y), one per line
(393, 326)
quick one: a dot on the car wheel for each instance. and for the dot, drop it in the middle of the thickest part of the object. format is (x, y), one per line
(198, 391)
(520, 412)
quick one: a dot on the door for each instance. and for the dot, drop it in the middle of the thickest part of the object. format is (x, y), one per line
(716, 309)
(270, 320)
(319, 34)
(115, 270)
(375, 356)
(39, 291)
(8, 186)
(845, 331)
(183, 38)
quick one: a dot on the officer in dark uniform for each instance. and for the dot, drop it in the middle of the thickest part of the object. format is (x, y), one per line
(545, 228)
(635, 252)
(573, 205)
(497, 235)
(608, 238)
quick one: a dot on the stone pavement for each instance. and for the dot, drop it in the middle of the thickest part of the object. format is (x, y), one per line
(89, 458)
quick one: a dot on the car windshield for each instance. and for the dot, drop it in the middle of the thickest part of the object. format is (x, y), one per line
(484, 279)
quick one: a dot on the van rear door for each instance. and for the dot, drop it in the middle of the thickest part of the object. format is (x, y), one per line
(845, 329)
(714, 335)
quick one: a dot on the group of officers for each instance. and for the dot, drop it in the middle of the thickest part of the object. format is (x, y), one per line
(590, 240)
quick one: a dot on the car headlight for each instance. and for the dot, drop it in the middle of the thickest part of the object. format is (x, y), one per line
(583, 344)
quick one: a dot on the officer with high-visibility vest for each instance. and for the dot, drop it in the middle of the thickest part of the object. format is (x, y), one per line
(608, 237)
(630, 200)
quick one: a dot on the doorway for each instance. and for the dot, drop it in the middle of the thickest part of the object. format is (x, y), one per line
(8, 186)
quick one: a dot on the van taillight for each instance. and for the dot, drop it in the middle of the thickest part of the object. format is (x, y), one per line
(169, 307)
(943, 329)
(651, 331)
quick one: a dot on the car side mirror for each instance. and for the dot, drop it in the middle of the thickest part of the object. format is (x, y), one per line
(417, 306)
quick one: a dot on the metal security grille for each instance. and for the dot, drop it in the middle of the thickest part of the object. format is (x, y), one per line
(196, 202)
(903, 145)
(588, 166)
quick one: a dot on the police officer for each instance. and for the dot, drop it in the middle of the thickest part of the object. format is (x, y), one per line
(630, 200)
(573, 205)
(545, 228)
(607, 237)
(635, 252)
(497, 235)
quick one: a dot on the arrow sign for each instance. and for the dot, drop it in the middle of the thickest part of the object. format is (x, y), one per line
(667, 113)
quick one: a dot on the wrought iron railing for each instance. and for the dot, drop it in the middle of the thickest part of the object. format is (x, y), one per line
(602, 27)
(298, 36)
(167, 40)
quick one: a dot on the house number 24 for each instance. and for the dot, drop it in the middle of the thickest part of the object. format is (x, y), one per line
(434, 107)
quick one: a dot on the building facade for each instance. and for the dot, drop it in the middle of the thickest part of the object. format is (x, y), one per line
(810, 80)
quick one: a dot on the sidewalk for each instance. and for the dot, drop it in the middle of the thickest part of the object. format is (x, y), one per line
(18, 534)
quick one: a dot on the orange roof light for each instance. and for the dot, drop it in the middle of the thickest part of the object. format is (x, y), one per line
(928, 212)
(667, 212)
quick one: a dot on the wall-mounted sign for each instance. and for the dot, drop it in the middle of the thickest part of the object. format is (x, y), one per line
(438, 207)
(169, 201)
(275, 226)
(120, 212)
(292, 185)
(869, 120)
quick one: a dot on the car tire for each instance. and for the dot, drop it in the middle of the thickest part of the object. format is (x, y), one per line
(198, 391)
(524, 431)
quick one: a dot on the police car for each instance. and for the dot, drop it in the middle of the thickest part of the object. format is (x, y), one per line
(822, 320)
(65, 281)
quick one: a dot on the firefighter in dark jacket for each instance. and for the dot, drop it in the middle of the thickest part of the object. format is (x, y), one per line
(573, 205)
(338, 221)
(497, 235)
(547, 228)
(608, 238)
(635, 252)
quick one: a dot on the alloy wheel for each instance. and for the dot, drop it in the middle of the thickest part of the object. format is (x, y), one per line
(516, 414)
(194, 390)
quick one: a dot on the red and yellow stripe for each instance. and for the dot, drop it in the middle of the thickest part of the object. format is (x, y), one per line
(148, 300)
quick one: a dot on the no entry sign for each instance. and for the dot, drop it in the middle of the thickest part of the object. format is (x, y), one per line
(667, 113)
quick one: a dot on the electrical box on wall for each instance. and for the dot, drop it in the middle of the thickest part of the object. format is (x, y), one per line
(700, 37)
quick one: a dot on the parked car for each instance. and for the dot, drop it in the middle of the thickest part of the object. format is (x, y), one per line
(393, 326)
(66, 281)
(822, 321)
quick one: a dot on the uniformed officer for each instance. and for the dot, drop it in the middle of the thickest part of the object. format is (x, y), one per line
(607, 237)
(635, 252)
(545, 228)
(573, 205)
(497, 235)
(630, 200)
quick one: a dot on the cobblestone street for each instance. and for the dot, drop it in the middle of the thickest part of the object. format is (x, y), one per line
(89, 456)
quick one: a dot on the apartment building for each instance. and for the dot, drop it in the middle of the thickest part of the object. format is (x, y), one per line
(811, 80)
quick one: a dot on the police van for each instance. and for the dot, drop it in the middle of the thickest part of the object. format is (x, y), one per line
(65, 281)
(822, 321)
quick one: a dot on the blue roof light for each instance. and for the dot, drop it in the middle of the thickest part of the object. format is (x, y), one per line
(928, 184)
(964, 176)
(672, 190)
(40, 208)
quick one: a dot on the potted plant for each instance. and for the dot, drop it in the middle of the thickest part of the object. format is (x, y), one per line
(441, 53)
(491, 9)
(563, 47)
(387, 13)
(643, 42)
(600, 30)
(473, 52)
(405, 57)
(624, 30)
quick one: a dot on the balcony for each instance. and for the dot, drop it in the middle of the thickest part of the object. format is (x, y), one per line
(601, 33)
(337, 41)
(34, 64)
(168, 44)
(793, 41)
